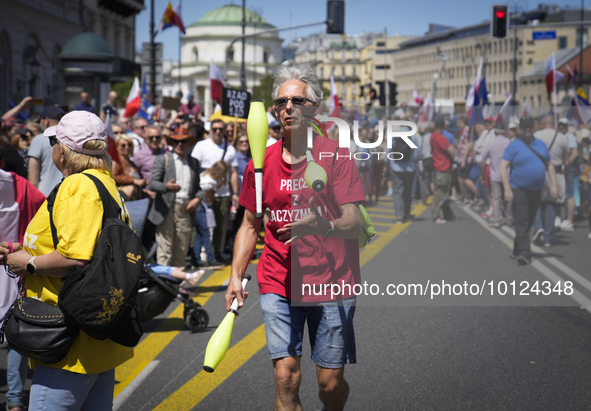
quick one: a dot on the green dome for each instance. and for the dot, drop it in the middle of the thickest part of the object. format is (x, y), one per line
(87, 45)
(231, 15)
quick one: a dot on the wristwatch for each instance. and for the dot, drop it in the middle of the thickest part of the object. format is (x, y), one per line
(330, 231)
(31, 267)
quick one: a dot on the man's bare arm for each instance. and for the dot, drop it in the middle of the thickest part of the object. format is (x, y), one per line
(244, 246)
(34, 171)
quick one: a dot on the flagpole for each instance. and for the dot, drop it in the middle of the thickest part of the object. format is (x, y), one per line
(152, 51)
(179, 78)
(555, 98)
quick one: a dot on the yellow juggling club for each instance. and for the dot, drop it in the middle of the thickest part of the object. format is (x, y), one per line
(315, 175)
(258, 133)
(220, 340)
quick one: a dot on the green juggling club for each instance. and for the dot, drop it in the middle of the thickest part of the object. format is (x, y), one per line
(315, 175)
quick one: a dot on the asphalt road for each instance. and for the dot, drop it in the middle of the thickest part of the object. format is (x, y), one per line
(414, 352)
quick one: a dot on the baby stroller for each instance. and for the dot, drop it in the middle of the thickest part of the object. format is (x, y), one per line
(156, 291)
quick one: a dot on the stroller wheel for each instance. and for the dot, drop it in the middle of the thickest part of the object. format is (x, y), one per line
(196, 319)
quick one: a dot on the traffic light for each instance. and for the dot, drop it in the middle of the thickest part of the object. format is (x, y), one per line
(335, 16)
(499, 27)
(393, 94)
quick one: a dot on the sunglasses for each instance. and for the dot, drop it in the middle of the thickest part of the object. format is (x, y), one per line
(215, 130)
(124, 145)
(117, 132)
(154, 138)
(296, 101)
(243, 141)
(278, 128)
(52, 141)
(185, 141)
(141, 127)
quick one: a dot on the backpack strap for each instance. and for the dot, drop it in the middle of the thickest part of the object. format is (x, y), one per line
(110, 206)
(534, 151)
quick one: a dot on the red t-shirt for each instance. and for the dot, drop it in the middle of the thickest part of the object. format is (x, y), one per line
(439, 145)
(312, 260)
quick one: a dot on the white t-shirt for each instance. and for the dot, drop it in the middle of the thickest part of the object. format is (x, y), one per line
(486, 137)
(49, 174)
(208, 153)
(560, 148)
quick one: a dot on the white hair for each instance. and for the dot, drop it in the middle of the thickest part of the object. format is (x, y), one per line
(292, 71)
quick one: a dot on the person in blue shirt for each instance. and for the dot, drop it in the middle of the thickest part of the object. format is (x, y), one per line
(404, 171)
(84, 104)
(529, 160)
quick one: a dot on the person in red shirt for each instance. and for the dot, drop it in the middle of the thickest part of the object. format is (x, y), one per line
(443, 152)
(311, 241)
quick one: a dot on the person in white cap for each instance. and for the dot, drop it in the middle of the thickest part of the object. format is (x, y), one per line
(85, 377)
(571, 172)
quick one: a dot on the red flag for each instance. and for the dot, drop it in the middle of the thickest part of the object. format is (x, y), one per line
(552, 76)
(215, 82)
(133, 101)
(111, 145)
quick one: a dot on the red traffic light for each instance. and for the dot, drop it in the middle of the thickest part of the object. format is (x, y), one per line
(500, 14)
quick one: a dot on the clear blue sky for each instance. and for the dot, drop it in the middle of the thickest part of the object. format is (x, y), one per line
(401, 17)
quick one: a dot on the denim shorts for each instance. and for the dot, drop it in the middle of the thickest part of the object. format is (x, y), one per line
(330, 328)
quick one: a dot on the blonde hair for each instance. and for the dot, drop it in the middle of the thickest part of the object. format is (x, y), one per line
(218, 171)
(77, 162)
(124, 137)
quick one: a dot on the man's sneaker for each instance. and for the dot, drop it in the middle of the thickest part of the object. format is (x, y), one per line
(557, 222)
(538, 236)
(521, 260)
(589, 236)
(398, 221)
(566, 226)
(390, 192)
(547, 245)
(440, 221)
(494, 225)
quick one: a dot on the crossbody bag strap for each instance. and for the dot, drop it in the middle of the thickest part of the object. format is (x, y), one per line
(225, 149)
(553, 140)
(534, 151)
(50, 203)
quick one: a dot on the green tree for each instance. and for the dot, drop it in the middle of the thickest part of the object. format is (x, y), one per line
(264, 90)
(123, 88)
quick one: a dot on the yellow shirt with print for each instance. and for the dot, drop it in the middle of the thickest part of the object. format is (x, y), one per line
(77, 215)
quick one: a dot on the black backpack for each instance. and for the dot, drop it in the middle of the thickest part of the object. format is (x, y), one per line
(401, 147)
(100, 298)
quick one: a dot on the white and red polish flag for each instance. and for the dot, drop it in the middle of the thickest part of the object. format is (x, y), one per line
(334, 104)
(552, 75)
(133, 100)
(215, 82)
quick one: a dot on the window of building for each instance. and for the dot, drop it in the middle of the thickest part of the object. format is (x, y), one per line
(495, 48)
(354, 71)
(343, 89)
(332, 54)
(195, 53)
(265, 56)
(343, 71)
(582, 33)
(562, 41)
(321, 72)
(539, 100)
(381, 44)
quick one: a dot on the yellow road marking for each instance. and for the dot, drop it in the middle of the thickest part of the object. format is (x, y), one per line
(201, 385)
(157, 340)
(390, 216)
(373, 248)
(383, 224)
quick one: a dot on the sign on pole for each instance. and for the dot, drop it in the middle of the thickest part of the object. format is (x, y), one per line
(235, 103)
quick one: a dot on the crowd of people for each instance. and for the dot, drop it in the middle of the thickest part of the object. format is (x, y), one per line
(465, 165)
(530, 174)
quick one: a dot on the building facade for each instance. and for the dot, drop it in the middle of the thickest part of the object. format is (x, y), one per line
(344, 57)
(33, 35)
(211, 39)
(446, 60)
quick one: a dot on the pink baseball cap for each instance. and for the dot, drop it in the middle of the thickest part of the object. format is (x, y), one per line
(78, 127)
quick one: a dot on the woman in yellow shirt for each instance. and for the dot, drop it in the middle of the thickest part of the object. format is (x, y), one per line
(85, 378)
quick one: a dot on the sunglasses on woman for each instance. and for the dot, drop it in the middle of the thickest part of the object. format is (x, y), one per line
(52, 141)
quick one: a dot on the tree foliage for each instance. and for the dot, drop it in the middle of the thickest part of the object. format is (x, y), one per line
(264, 90)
